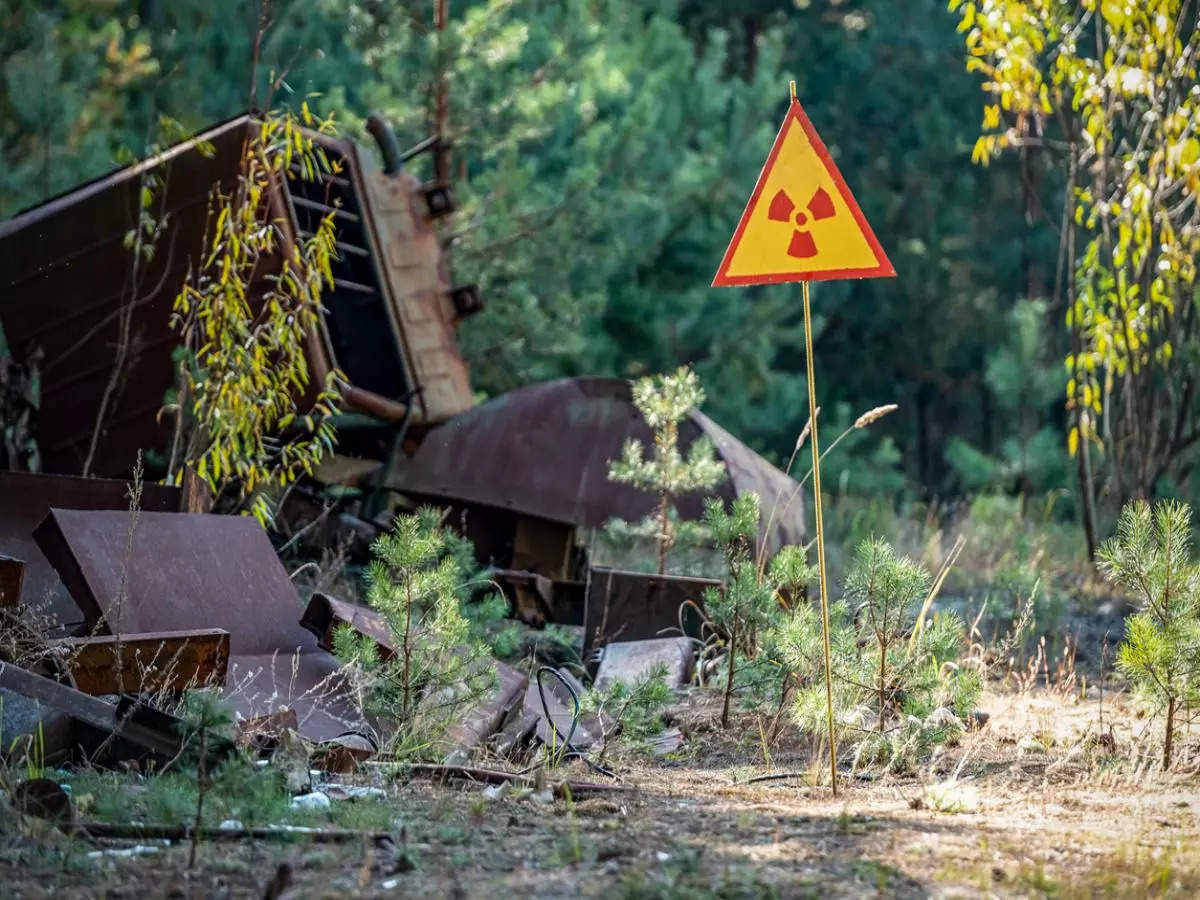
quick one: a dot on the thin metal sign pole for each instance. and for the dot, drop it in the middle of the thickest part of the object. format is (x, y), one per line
(816, 473)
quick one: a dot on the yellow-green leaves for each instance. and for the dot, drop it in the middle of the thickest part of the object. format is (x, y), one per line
(245, 369)
(1109, 86)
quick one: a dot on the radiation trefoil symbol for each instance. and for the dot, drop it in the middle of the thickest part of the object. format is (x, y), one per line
(803, 245)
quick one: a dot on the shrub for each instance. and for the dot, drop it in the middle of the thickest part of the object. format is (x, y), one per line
(440, 669)
(664, 401)
(896, 686)
(242, 368)
(749, 604)
(1150, 557)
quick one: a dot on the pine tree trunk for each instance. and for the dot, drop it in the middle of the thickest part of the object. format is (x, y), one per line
(663, 523)
(729, 678)
(882, 683)
(1170, 733)
(407, 650)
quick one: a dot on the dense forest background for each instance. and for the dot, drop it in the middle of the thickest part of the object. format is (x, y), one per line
(603, 151)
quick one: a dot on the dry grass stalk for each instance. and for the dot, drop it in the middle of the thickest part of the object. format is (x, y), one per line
(867, 418)
(874, 415)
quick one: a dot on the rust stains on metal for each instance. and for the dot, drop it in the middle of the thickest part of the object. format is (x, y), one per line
(190, 570)
(389, 324)
(544, 450)
(325, 614)
(26, 498)
(147, 663)
(486, 717)
(634, 606)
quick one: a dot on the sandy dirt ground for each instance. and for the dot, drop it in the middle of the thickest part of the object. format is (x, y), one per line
(1030, 805)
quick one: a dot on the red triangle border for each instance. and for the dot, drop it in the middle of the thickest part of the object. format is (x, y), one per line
(883, 269)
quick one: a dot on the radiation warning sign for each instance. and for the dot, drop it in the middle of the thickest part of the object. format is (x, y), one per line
(802, 223)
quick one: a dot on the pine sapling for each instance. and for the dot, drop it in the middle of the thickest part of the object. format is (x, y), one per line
(664, 402)
(1150, 557)
(897, 688)
(440, 666)
(749, 602)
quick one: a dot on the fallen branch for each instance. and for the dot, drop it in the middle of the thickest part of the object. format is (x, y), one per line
(184, 832)
(776, 776)
(498, 776)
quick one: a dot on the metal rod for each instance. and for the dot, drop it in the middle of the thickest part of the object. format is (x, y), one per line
(816, 473)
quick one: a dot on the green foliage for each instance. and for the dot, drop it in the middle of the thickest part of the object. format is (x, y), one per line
(751, 601)
(633, 546)
(244, 367)
(1109, 87)
(601, 153)
(1150, 557)
(747, 603)
(897, 688)
(440, 669)
(1025, 384)
(664, 401)
(635, 709)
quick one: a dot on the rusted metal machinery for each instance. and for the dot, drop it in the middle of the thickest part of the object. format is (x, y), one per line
(65, 281)
(178, 572)
(531, 465)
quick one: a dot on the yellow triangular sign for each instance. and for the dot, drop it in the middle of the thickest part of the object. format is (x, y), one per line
(802, 223)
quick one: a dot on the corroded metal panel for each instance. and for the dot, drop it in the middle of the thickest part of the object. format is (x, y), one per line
(414, 272)
(26, 498)
(183, 571)
(544, 450)
(635, 606)
(148, 663)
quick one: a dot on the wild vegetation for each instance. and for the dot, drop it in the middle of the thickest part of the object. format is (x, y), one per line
(1012, 695)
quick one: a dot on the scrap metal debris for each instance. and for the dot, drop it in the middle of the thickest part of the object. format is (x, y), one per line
(63, 720)
(390, 312)
(542, 451)
(148, 663)
(635, 606)
(630, 661)
(26, 499)
(222, 573)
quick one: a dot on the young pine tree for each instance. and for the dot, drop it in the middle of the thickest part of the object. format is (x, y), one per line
(438, 669)
(891, 684)
(664, 402)
(1150, 557)
(749, 605)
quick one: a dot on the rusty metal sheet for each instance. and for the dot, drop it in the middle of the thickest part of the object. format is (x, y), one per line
(629, 661)
(70, 721)
(325, 614)
(64, 277)
(635, 606)
(544, 450)
(481, 722)
(311, 683)
(146, 663)
(189, 570)
(12, 576)
(26, 498)
(64, 282)
(181, 571)
(537, 599)
(409, 255)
